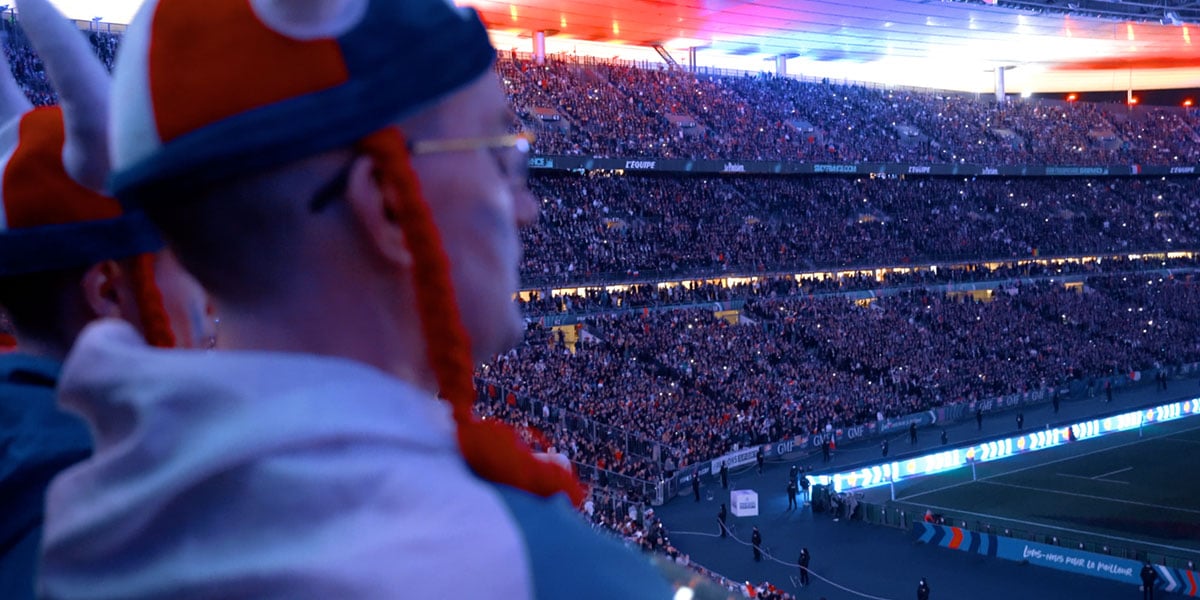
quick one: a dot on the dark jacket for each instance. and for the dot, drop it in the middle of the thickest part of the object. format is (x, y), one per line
(36, 442)
(1149, 576)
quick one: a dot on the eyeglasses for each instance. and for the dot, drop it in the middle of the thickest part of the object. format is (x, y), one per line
(511, 153)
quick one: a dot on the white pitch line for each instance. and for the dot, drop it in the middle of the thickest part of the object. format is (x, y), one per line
(1084, 477)
(1181, 440)
(1103, 475)
(1093, 497)
(1090, 478)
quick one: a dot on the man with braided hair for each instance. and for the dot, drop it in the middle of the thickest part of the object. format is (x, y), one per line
(68, 256)
(340, 176)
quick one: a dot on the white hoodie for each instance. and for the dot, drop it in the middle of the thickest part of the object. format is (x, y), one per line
(267, 475)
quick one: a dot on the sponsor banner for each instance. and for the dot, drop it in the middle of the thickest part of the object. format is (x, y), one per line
(858, 432)
(686, 474)
(1123, 570)
(785, 446)
(1077, 171)
(1074, 561)
(1001, 403)
(1182, 581)
(903, 423)
(541, 162)
(817, 440)
(951, 413)
(735, 459)
(834, 169)
(682, 165)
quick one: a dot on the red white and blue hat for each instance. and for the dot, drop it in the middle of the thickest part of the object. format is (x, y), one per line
(54, 158)
(205, 92)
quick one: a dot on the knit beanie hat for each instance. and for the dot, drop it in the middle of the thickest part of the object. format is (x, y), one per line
(209, 91)
(54, 159)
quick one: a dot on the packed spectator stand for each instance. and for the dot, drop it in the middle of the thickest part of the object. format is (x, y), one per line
(611, 109)
(700, 386)
(603, 227)
(645, 393)
(563, 303)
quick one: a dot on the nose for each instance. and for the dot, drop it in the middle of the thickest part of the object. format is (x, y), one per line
(525, 206)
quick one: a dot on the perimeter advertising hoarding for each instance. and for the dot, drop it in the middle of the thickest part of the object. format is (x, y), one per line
(929, 464)
(1123, 570)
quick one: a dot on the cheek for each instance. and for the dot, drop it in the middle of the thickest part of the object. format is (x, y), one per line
(480, 232)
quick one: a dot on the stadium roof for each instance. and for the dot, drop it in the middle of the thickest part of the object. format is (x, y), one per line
(1044, 45)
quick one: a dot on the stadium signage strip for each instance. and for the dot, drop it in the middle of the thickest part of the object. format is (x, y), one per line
(735, 459)
(763, 167)
(929, 464)
(686, 475)
(1080, 562)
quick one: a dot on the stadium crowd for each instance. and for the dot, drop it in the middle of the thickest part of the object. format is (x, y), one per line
(684, 388)
(598, 299)
(643, 394)
(609, 110)
(27, 68)
(796, 365)
(603, 227)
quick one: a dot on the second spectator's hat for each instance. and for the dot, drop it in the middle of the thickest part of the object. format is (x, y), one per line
(206, 92)
(54, 159)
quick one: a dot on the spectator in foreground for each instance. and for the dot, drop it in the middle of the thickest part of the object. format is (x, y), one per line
(348, 194)
(68, 256)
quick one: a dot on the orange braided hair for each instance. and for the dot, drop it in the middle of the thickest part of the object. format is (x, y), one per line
(156, 325)
(493, 450)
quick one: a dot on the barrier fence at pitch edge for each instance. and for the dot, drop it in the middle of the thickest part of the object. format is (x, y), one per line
(792, 447)
(670, 484)
(940, 462)
(1124, 570)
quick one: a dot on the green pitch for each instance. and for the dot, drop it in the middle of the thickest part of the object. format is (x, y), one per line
(1122, 490)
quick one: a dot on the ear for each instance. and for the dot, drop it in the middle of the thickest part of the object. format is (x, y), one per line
(102, 289)
(371, 206)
